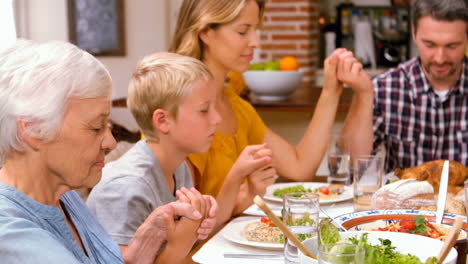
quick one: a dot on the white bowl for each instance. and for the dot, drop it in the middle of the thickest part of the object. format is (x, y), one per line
(273, 85)
(419, 246)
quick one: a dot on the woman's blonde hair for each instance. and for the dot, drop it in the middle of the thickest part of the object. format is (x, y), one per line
(198, 15)
(161, 81)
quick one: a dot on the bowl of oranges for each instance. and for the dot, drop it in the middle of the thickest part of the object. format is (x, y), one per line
(274, 80)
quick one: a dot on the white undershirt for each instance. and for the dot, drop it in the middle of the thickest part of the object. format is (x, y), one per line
(442, 94)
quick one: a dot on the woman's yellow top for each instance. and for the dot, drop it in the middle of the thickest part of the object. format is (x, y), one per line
(214, 165)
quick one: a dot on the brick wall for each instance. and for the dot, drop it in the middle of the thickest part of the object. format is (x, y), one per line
(291, 28)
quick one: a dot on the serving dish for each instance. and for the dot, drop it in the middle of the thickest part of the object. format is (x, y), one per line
(420, 246)
(346, 195)
(368, 220)
(273, 85)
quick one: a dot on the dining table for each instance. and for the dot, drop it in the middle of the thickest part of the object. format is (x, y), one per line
(212, 250)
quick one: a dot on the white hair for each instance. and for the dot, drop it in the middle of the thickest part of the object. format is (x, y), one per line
(37, 80)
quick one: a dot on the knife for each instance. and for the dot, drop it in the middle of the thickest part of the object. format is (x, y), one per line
(244, 255)
(442, 193)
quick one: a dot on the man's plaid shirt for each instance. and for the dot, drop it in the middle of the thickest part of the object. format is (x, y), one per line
(413, 123)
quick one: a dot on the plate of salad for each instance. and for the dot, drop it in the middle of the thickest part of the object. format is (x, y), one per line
(411, 221)
(381, 247)
(328, 193)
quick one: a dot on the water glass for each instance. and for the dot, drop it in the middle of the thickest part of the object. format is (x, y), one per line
(368, 171)
(301, 215)
(341, 253)
(339, 161)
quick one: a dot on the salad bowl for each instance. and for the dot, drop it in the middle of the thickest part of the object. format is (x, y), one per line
(375, 219)
(419, 246)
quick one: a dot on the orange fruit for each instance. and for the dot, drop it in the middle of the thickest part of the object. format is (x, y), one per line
(289, 63)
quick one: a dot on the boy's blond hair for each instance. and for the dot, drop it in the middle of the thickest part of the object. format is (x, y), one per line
(161, 81)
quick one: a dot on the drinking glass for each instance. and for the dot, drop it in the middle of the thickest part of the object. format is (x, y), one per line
(368, 171)
(341, 253)
(301, 215)
(339, 161)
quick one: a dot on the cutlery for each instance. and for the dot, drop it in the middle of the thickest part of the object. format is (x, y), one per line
(332, 220)
(450, 239)
(442, 192)
(260, 203)
(260, 256)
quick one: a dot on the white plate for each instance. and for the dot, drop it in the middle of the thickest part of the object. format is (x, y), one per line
(346, 195)
(234, 231)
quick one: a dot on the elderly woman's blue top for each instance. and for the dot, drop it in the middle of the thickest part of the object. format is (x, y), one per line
(32, 232)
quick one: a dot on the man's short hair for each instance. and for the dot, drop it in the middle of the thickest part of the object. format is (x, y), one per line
(443, 10)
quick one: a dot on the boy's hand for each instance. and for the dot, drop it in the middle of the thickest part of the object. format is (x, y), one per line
(209, 222)
(351, 72)
(260, 179)
(194, 197)
(209, 211)
(182, 232)
(252, 158)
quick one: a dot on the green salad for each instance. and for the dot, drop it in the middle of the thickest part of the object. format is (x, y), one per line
(292, 189)
(305, 220)
(384, 253)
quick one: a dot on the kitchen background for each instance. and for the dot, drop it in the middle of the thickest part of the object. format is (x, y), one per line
(291, 28)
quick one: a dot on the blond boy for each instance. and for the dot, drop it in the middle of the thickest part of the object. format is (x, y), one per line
(172, 98)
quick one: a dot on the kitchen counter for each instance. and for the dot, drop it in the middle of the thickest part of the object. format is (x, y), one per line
(304, 99)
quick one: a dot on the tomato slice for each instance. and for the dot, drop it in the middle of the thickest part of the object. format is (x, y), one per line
(407, 224)
(325, 190)
(435, 234)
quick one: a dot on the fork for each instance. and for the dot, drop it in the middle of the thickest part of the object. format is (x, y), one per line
(332, 220)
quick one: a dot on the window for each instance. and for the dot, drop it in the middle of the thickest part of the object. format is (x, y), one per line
(7, 23)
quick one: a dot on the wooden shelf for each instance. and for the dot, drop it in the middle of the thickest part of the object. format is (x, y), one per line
(303, 99)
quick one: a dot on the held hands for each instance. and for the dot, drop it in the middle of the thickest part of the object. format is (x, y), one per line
(255, 163)
(205, 204)
(261, 178)
(181, 234)
(350, 72)
(330, 81)
(252, 158)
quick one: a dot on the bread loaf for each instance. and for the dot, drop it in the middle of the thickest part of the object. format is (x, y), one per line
(432, 170)
(404, 194)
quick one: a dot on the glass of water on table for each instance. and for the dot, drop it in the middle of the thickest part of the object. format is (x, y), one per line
(368, 171)
(338, 159)
(301, 215)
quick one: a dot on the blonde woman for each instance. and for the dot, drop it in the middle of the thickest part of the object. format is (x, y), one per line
(222, 34)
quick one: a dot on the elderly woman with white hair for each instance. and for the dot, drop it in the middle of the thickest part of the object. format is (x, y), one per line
(54, 110)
